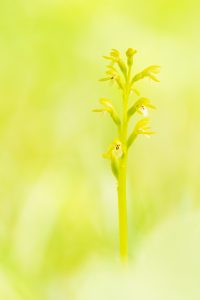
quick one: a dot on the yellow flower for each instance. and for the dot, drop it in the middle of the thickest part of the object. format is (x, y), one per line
(141, 106)
(108, 107)
(114, 150)
(141, 128)
(147, 72)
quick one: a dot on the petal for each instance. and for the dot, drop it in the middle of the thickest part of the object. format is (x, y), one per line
(143, 109)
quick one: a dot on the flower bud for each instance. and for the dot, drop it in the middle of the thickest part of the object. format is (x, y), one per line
(122, 66)
(129, 53)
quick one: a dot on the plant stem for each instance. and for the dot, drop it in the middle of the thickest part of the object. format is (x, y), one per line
(122, 206)
(123, 238)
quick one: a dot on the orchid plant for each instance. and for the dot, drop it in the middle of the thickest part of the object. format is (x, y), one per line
(120, 72)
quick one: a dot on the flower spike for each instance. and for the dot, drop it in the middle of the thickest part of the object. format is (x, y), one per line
(120, 72)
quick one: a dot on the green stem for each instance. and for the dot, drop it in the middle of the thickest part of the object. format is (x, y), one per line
(122, 206)
(123, 236)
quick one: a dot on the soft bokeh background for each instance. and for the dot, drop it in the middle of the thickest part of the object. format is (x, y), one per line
(58, 207)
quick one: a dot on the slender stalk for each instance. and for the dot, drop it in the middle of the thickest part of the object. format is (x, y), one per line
(123, 232)
(122, 205)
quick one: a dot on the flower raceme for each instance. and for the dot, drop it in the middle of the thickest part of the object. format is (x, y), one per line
(119, 71)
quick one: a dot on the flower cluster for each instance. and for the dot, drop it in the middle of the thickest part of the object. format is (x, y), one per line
(119, 71)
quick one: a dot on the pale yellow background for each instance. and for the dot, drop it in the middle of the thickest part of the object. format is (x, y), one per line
(58, 206)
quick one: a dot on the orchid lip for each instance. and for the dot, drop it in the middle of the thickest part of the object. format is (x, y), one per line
(143, 109)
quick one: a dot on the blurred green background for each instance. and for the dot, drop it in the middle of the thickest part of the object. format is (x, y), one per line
(58, 206)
